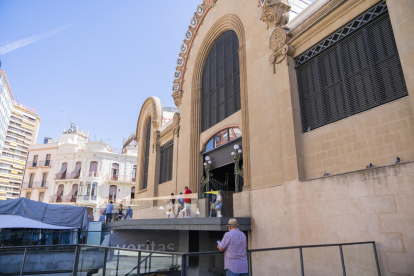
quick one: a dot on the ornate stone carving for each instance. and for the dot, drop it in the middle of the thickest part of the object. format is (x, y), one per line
(209, 3)
(156, 124)
(278, 44)
(185, 49)
(275, 12)
(177, 95)
(176, 123)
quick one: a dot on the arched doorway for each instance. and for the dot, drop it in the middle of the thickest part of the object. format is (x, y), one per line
(223, 163)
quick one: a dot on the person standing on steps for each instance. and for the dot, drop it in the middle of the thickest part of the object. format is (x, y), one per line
(129, 213)
(180, 205)
(233, 245)
(108, 211)
(187, 202)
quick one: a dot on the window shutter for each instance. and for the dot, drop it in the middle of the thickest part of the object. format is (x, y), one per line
(352, 70)
(147, 150)
(166, 159)
(220, 92)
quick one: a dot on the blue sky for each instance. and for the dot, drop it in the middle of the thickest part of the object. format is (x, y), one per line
(97, 60)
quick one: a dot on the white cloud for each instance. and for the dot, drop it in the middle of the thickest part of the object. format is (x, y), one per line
(29, 40)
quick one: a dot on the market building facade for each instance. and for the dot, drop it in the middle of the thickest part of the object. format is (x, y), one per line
(305, 124)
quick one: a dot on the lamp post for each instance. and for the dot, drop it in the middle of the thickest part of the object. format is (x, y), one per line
(236, 154)
(206, 179)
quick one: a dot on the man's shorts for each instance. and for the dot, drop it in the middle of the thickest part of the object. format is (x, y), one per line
(187, 206)
(213, 206)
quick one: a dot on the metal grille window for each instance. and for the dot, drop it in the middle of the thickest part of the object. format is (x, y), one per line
(361, 70)
(166, 162)
(147, 151)
(220, 92)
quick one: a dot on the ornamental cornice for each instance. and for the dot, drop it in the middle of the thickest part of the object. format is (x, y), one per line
(185, 49)
(276, 15)
(275, 12)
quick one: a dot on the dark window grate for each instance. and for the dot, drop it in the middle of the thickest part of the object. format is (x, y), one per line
(359, 72)
(166, 162)
(220, 93)
(346, 30)
(147, 151)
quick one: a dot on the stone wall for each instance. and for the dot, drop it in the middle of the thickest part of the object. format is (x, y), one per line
(375, 136)
(369, 205)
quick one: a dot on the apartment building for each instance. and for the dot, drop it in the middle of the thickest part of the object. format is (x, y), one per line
(76, 171)
(38, 175)
(6, 104)
(22, 131)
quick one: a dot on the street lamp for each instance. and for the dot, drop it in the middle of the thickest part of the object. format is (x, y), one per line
(205, 179)
(237, 154)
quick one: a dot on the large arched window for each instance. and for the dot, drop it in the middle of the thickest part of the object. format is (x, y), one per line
(147, 150)
(220, 92)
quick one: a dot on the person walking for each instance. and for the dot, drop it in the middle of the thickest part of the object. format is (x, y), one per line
(180, 205)
(102, 217)
(187, 202)
(108, 211)
(129, 213)
(120, 212)
(233, 245)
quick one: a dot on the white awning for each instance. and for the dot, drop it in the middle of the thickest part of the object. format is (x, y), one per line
(74, 189)
(13, 221)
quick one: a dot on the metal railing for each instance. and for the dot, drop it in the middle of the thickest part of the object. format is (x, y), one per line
(122, 261)
(32, 164)
(74, 175)
(60, 176)
(44, 163)
(35, 184)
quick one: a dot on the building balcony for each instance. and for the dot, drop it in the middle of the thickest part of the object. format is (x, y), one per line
(56, 199)
(36, 185)
(60, 176)
(32, 164)
(74, 175)
(9, 184)
(121, 178)
(44, 163)
(71, 198)
(91, 174)
(87, 198)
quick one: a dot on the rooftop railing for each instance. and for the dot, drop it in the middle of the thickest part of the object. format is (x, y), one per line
(329, 259)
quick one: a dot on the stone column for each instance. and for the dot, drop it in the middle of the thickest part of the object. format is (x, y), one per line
(291, 128)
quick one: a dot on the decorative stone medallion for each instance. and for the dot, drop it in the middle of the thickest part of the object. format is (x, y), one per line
(200, 10)
(193, 22)
(188, 35)
(184, 48)
(175, 87)
(277, 39)
(180, 61)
